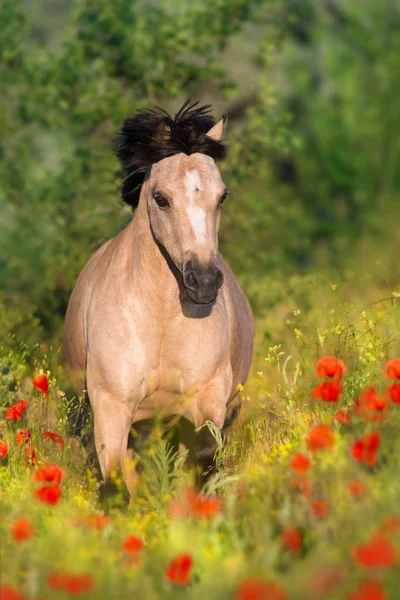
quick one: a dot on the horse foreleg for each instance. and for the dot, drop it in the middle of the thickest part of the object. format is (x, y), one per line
(211, 406)
(112, 422)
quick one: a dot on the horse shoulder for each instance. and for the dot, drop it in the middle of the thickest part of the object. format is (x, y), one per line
(74, 337)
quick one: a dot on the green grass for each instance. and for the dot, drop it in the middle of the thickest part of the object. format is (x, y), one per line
(303, 318)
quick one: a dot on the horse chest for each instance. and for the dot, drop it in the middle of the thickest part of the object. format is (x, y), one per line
(187, 353)
(189, 358)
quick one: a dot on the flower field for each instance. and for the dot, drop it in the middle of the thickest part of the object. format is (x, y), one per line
(304, 503)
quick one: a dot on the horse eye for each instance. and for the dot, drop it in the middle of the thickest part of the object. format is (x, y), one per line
(161, 201)
(223, 197)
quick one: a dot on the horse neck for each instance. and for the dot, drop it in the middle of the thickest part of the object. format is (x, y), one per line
(152, 277)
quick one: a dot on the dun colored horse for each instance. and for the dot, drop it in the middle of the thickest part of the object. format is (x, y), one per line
(157, 324)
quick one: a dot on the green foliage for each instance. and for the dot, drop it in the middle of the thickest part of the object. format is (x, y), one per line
(161, 468)
(11, 39)
(313, 158)
(343, 87)
(317, 155)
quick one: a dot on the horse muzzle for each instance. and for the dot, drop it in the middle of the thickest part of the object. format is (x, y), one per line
(201, 282)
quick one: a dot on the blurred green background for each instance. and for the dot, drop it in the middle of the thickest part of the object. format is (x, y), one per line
(311, 89)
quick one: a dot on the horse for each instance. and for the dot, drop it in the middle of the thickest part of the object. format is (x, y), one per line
(157, 325)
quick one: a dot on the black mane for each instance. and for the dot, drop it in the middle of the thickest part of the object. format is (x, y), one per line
(151, 135)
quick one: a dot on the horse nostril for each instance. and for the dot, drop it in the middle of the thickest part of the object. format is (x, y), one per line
(191, 279)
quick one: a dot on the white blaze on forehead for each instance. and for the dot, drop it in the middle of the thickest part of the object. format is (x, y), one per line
(196, 215)
(192, 183)
(197, 218)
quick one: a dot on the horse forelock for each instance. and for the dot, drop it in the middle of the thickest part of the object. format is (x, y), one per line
(152, 135)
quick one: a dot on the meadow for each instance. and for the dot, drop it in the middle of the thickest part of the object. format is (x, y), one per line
(304, 502)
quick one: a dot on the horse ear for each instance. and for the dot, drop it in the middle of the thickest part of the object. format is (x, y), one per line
(163, 132)
(217, 132)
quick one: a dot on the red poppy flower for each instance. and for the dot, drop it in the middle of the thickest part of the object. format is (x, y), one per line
(72, 584)
(178, 571)
(300, 463)
(196, 505)
(303, 486)
(291, 539)
(319, 508)
(9, 593)
(342, 416)
(77, 584)
(3, 449)
(255, 589)
(49, 473)
(30, 456)
(56, 438)
(49, 494)
(97, 522)
(393, 393)
(377, 552)
(23, 436)
(330, 366)
(16, 410)
(368, 590)
(204, 506)
(57, 580)
(22, 530)
(133, 545)
(365, 449)
(320, 437)
(391, 524)
(392, 369)
(324, 580)
(41, 383)
(328, 391)
(370, 406)
(357, 489)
